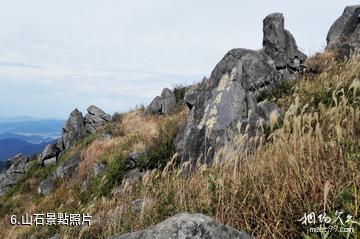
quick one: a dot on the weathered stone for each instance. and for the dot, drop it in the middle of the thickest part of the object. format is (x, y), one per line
(225, 105)
(98, 168)
(187, 226)
(137, 205)
(266, 108)
(132, 160)
(46, 186)
(280, 44)
(133, 176)
(94, 110)
(105, 137)
(16, 168)
(95, 118)
(344, 34)
(74, 129)
(49, 162)
(68, 167)
(90, 128)
(163, 104)
(168, 103)
(50, 151)
(155, 106)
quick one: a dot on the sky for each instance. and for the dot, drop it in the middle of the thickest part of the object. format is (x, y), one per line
(59, 55)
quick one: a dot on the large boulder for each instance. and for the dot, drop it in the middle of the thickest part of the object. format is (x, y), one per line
(225, 105)
(280, 44)
(95, 118)
(344, 34)
(16, 168)
(163, 104)
(189, 226)
(73, 130)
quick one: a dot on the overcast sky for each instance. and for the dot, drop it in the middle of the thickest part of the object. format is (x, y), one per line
(59, 55)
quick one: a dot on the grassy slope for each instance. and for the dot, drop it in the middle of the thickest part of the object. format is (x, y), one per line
(310, 163)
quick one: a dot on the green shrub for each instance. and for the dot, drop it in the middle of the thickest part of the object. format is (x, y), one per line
(103, 183)
(162, 151)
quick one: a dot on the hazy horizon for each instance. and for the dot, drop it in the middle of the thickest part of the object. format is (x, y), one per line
(57, 56)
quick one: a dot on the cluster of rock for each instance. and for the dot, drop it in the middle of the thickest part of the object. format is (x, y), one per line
(76, 127)
(187, 226)
(163, 104)
(65, 170)
(225, 104)
(344, 34)
(15, 168)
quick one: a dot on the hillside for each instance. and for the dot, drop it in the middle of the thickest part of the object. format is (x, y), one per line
(268, 142)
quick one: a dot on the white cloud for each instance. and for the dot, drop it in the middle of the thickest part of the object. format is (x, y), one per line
(118, 53)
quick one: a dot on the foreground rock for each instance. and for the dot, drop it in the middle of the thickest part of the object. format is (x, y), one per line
(184, 226)
(15, 169)
(344, 34)
(225, 104)
(163, 104)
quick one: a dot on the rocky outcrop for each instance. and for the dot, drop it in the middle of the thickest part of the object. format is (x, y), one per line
(63, 171)
(280, 44)
(75, 128)
(49, 154)
(187, 226)
(344, 34)
(95, 118)
(15, 169)
(163, 104)
(225, 104)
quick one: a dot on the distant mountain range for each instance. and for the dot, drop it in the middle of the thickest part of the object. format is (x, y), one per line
(33, 127)
(16, 119)
(11, 147)
(26, 135)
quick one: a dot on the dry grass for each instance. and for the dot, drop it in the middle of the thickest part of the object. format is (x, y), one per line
(320, 62)
(311, 163)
